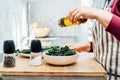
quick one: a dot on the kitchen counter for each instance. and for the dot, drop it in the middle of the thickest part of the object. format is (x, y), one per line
(85, 68)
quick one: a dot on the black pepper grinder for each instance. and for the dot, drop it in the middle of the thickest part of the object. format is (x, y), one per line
(9, 57)
(35, 56)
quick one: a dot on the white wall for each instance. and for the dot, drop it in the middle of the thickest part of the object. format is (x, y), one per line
(11, 21)
(48, 12)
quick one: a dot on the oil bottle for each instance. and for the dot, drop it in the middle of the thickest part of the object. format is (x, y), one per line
(65, 22)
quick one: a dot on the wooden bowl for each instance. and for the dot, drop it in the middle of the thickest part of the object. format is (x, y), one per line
(41, 32)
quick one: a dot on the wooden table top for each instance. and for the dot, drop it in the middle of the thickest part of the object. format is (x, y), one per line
(86, 65)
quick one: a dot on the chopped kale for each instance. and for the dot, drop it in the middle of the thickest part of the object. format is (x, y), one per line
(60, 51)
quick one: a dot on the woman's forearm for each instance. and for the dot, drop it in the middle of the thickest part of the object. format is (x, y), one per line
(103, 17)
(87, 47)
(110, 22)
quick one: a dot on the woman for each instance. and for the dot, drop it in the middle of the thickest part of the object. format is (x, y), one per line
(106, 36)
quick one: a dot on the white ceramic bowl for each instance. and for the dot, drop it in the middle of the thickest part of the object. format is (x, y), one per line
(41, 32)
(60, 60)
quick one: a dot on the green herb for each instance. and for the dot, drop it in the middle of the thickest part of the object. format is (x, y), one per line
(24, 51)
(60, 51)
(53, 51)
(17, 51)
(27, 51)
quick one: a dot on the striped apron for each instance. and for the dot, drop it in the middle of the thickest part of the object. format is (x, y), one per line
(107, 51)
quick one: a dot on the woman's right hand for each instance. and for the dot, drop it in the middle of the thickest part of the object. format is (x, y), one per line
(101, 16)
(82, 11)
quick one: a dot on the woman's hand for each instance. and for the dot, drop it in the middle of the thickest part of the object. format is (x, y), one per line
(82, 11)
(80, 47)
(102, 16)
(76, 47)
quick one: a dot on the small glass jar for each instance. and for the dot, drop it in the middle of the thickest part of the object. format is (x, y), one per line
(35, 56)
(35, 59)
(9, 60)
(9, 57)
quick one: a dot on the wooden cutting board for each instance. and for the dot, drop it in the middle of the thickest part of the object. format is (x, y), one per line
(86, 65)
